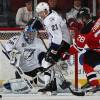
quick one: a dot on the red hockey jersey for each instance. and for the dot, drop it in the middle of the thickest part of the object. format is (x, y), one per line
(92, 39)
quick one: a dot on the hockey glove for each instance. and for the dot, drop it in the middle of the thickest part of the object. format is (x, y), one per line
(51, 55)
(74, 49)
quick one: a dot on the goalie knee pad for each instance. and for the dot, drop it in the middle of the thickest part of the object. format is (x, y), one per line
(43, 79)
(46, 78)
(45, 64)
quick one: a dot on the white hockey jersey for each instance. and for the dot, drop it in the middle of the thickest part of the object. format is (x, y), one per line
(29, 52)
(56, 28)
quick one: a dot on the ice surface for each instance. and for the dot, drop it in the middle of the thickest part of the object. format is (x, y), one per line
(44, 97)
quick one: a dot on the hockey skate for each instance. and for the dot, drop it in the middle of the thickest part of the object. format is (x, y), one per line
(93, 89)
(51, 87)
(90, 89)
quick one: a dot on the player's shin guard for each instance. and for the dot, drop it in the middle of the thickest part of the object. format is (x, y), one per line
(91, 75)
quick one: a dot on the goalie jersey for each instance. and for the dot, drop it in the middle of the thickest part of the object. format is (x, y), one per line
(29, 52)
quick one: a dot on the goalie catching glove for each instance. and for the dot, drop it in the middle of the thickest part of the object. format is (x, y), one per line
(13, 56)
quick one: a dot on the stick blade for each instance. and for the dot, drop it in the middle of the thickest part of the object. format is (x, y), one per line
(77, 93)
(65, 84)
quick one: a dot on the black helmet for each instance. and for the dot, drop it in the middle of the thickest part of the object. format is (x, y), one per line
(83, 12)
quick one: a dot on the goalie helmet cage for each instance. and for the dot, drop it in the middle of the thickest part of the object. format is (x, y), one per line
(7, 33)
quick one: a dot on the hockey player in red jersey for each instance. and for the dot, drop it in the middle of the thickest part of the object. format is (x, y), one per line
(90, 36)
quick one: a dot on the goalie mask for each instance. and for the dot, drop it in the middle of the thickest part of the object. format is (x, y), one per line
(29, 34)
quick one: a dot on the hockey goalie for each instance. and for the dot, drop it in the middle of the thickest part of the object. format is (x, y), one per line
(27, 50)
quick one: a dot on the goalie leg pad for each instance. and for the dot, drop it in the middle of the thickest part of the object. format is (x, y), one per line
(17, 86)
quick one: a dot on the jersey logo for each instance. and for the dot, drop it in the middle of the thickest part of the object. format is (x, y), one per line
(28, 54)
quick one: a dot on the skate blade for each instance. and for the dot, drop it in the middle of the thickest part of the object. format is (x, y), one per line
(89, 94)
(45, 93)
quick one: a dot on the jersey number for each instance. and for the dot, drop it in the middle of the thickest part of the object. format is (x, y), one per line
(54, 27)
(81, 38)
